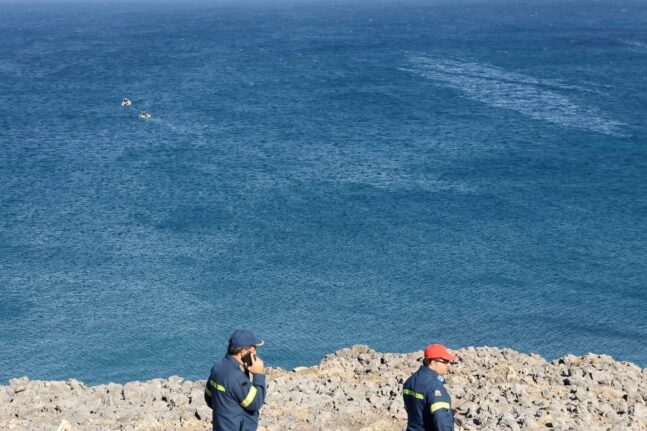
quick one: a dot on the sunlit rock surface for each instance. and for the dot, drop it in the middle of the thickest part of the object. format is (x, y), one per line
(359, 389)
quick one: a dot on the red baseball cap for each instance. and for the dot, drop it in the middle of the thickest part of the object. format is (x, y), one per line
(438, 351)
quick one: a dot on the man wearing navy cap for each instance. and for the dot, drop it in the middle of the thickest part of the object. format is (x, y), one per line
(235, 390)
(426, 400)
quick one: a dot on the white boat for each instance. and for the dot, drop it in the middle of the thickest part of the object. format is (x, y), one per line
(144, 114)
(126, 102)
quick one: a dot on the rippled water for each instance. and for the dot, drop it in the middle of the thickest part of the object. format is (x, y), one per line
(538, 99)
(325, 174)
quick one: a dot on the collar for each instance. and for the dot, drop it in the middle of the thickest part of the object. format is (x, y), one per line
(233, 363)
(434, 374)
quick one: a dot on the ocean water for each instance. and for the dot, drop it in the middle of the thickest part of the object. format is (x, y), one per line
(323, 173)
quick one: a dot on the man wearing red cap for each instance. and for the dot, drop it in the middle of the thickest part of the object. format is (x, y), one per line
(427, 402)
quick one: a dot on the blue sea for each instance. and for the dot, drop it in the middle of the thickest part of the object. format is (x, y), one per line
(325, 173)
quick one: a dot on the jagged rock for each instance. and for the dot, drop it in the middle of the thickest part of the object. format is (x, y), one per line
(359, 389)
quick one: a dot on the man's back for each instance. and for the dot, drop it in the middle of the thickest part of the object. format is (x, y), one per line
(427, 402)
(235, 399)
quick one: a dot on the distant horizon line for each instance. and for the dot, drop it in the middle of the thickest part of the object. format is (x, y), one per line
(279, 2)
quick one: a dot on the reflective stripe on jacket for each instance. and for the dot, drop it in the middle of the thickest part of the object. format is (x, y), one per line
(234, 398)
(427, 402)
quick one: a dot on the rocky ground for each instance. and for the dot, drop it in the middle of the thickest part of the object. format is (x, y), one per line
(358, 389)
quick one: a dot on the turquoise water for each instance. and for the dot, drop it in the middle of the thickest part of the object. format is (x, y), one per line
(324, 173)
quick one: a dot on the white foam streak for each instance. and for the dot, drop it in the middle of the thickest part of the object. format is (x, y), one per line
(538, 99)
(634, 43)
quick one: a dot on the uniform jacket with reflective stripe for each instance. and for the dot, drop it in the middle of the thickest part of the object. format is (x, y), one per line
(427, 402)
(235, 399)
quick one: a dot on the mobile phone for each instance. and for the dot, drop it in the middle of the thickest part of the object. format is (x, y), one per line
(247, 359)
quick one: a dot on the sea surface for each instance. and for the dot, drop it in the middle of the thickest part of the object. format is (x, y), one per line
(325, 173)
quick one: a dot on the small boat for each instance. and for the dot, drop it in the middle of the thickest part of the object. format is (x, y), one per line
(126, 102)
(144, 114)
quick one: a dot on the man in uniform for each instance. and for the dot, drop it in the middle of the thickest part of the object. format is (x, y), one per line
(235, 390)
(426, 400)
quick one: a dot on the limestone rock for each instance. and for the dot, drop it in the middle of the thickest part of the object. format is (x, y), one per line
(358, 389)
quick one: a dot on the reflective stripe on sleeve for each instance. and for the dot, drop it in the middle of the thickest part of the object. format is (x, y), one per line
(413, 394)
(207, 391)
(221, 388)
(249, 398)
(439, 406)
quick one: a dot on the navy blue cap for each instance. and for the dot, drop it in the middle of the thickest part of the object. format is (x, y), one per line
(244, 338)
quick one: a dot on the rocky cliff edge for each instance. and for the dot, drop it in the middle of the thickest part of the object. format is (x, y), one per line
(358, 389)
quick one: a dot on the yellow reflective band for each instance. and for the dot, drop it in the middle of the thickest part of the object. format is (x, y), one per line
(207, 391)
(249, 398)
(438, 406)
(413, 394)
(221, 388)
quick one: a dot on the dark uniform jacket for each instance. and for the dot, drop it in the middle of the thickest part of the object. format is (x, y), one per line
(427, 402)
(233, 397)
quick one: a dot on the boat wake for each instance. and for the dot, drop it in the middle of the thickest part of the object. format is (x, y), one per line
(539, 99)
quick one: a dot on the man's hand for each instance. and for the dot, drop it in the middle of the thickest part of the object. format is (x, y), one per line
(257, 367)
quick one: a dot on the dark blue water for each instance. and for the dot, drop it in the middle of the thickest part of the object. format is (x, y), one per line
(326, 174)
